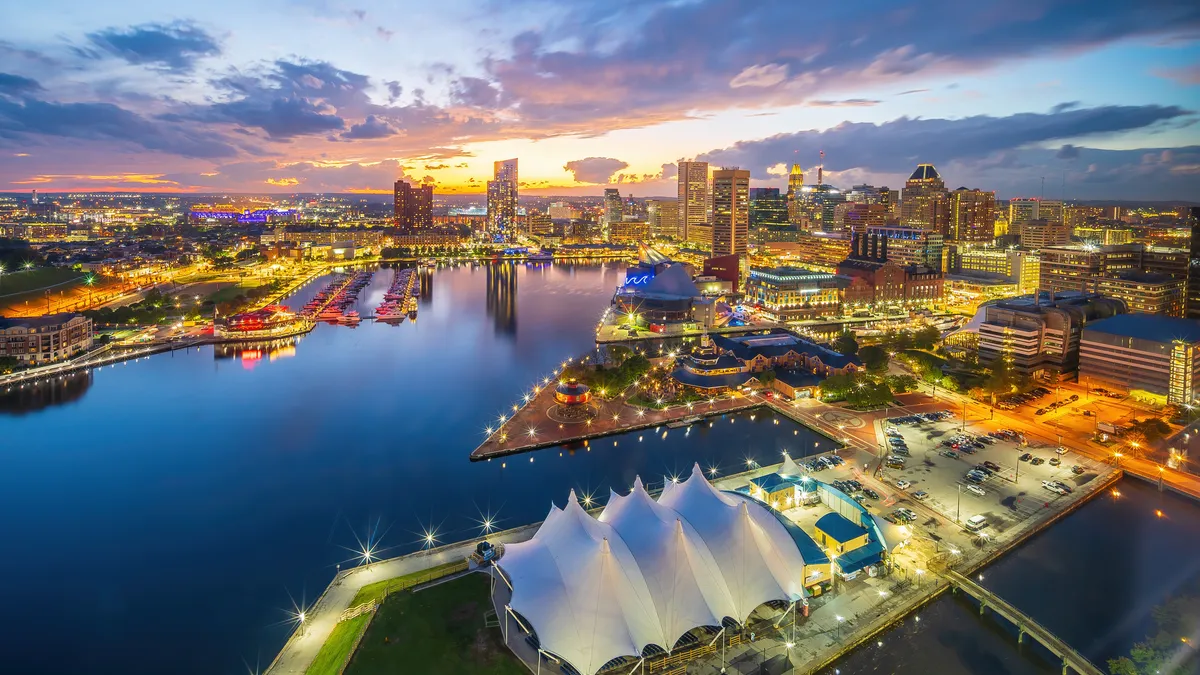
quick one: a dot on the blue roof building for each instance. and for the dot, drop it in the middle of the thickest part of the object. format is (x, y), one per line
(1151, 356)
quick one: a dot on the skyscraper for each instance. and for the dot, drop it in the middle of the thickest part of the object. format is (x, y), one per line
(768, 207)
(1192, 311)
(925, 203)
(412, 206)
(693, 200)
(795, 184)
(502, 199)
(663, 215)
(1022, 209)
(612, 207)
(972, 215)
(731, 211)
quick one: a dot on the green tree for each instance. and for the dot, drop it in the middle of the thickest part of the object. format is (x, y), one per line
(767, 377)
(1002, 379)
(8, 364)
(926, 338)
(901, 383)
(845, 343)
(868, 394)
(875, 358)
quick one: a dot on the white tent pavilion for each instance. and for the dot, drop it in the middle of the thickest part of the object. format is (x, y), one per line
(647, 572)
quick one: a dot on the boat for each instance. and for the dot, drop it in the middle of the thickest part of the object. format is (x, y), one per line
(685, 422)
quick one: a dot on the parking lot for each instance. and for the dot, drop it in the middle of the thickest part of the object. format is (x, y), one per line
(1006, 491)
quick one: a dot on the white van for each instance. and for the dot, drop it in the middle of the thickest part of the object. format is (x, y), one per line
(976, 523)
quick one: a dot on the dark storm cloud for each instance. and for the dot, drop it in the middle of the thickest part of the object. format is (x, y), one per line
(107, 122)
(594, 169)
(174, 46)
(667, 60)
(372, 127)
(15, 84)
(900, 144)
(1068, 151)
(476, 92)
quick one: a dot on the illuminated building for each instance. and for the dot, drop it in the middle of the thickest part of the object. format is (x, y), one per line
(502, 199)
(793, 293)
(856, 217)
(1146, 293)
(37, 340)
(877, 282)
(795, 185)
(628, 231)
(727, 268)
(1039, 334)
(1022, 209)
(818, 250)
(1087, 268)
(572, 392)
(1079, 216)
(1153, 354)
(563, 211)
(925, 204)
(911, 246)
(664, 218)
(412, 206)
(613, 209)
(972, 215)
(1019, 267)
(731, 211)
(693, 202)
(1103, 236)
(1192, 310)
(1037, 234)
(768, 208)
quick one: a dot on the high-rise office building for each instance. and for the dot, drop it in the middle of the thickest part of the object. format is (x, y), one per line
(1192, 310)
(795, 186)
(693, 201)
(972, 216)
(502, 198)
(925, 204)
(1022, 209)
(731, 211)
(613, 208)
(663, 215)
(768, 207)
(412, 205)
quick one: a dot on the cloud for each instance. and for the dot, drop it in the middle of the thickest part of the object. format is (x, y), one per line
(1188, 76)
(669, 171)
(295, 176)
(372, 127)
(594, 169)
(609, 65)
(1068, 151)
(1064, 106)
(845, 103)
(767, 75)
(384, 33)
(474, 91)
(174, 46)
(900, 144)
(909, 92)
(107, 122)
(281, 118)
(15, 84)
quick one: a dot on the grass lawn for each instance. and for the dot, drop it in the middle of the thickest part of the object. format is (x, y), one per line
(228, 293)
(437, 630)
(13, 282)
(378, 589)
(333, 653)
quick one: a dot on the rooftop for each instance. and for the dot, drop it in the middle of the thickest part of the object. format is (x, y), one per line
(1152, 327)
(37, 321)
(839, 528)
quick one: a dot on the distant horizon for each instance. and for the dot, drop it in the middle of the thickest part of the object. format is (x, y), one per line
(1062, 99)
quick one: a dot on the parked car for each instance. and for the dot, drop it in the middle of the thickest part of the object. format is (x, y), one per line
(992, 465)
(976, 523)
(1064, 486)
(903, 484)
(1060, 450)
(1026, 457)
(1036, 461)
(1077, 469)
(920, 495)
(976, 490)
(1054, 461)
(949, 453)
(870, 493)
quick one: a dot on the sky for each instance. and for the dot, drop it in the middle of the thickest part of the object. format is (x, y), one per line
(1082, 99)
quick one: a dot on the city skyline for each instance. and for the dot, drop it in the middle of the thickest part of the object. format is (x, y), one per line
(342, 98)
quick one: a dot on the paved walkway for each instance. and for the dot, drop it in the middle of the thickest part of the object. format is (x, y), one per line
(298, 653)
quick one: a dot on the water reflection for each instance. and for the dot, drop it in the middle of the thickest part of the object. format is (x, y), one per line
(251, 354)
(502, 297)
(38, 395)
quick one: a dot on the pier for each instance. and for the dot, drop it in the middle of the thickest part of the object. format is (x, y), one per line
(1026, 626)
